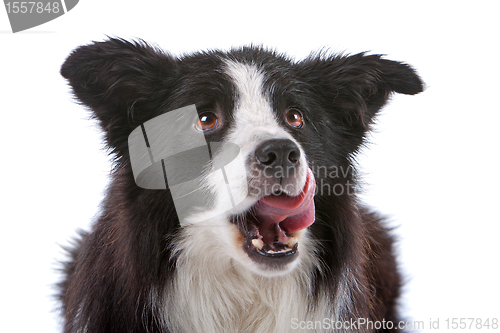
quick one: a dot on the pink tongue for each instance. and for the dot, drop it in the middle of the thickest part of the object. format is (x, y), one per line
(292, 213)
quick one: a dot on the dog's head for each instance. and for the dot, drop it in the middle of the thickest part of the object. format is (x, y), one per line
(293, 123)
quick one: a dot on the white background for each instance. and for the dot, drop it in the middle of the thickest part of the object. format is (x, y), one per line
(432, 166)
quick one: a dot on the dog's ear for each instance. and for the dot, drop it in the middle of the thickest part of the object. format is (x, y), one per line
(123, 83)
(356, 87)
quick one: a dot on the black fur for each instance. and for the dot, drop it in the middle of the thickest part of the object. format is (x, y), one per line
(126, 255)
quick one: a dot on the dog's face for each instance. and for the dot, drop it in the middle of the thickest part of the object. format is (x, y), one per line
(285, 117)
(275, 188)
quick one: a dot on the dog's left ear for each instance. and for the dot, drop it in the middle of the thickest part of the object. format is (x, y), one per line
(357, 86)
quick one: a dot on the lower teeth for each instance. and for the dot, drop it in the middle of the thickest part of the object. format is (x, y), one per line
(285, 247)
(281, 251)
(258, 243)
(292, 241)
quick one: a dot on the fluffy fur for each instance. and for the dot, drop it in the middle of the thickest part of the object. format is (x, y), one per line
(140, 269)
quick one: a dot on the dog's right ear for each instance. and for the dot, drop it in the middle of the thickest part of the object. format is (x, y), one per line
(123, 83)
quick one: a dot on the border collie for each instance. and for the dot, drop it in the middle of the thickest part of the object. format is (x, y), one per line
(281, 243)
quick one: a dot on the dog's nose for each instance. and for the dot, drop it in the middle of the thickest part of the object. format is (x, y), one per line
(278, 153)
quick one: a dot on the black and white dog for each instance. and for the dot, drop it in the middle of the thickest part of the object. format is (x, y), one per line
(297, 252)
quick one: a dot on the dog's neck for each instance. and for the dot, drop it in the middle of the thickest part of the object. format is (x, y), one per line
(219, 294)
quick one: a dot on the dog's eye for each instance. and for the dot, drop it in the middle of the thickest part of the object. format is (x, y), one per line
(294, 118)
(207, 121)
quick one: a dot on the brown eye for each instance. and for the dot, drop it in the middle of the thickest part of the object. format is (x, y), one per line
(294, 118)
(207, 121)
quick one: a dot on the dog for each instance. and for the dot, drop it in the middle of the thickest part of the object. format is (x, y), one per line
(282, 242)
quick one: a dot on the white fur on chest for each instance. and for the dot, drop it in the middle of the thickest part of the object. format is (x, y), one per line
(216, 288)
(212, 292)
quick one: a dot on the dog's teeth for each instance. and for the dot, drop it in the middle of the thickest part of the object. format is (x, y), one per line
(292, 241)
(279, 251)
(258, 243)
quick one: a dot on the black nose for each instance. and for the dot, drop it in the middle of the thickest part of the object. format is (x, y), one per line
(277, 154)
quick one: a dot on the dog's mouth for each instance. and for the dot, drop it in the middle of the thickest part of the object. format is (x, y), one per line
(270, 229)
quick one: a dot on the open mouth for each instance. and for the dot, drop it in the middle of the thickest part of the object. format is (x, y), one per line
(272, 242)
(270, 229)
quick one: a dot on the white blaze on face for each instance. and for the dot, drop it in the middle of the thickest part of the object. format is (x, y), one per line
(254, 118)
(254, 122)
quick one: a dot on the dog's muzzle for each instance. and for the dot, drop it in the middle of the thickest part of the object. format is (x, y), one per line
(274, 168)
